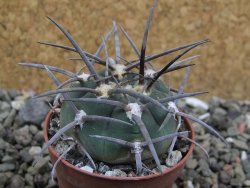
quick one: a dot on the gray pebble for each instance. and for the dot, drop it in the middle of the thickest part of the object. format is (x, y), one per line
(34, 112)
(206, 172)
(4, 95)
(7, 167)
(29, 179)
(236, 182)
(23, 168)
(219, 117)
(3, 144)
(214, 166)
(3, 179)
(191, 163)
(246, 166)
(174, 158)
(225, 157)
(23, 136)
(41, 180)
(13, 93)
(239, 173)
(39, 137)
(3, 116)
(233, 131)
(33, 129)
(9, 120)
(224, 177)
(5, 107)
(41, 165)
(103, 168)
(240, 145)
(7, 159)
(25, 156)
(17, 182)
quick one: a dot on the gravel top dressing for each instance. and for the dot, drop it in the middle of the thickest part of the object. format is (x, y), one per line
(21, 141)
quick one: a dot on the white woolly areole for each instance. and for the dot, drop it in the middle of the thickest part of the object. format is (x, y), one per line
(128, 87)
(173, 106)
(84, 76)
(104, 89)
(119, 70)
(149, 73)
(135, 109)
(111, 61)
(138, 88)
(79, 116)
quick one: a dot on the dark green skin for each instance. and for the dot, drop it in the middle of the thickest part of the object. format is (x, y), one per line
(111, 152)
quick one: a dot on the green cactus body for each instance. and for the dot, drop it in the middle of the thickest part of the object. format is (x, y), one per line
(111, 152)
(117, 115)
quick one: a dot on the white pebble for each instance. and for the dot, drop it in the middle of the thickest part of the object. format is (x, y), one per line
(229, 139)
(196, 103)
(190, 184)
(87, 168)
(35, 150)
(243, 155)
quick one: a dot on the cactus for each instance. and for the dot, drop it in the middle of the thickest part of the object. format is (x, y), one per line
(124, 113)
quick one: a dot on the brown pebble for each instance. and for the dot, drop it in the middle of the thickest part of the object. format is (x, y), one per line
(227, 167)
(242, 127)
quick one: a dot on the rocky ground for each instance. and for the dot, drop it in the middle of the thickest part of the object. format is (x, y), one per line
(21, 139)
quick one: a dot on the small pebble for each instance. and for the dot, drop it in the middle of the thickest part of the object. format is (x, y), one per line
(87, 168)
(35, 150)
(174, 158)
(243, 155)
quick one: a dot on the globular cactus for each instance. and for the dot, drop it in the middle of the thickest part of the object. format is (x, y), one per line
(124, 113)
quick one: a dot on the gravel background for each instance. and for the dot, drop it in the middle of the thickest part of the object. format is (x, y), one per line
(21, 140)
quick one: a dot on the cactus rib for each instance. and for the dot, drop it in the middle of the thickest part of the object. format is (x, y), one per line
(101, 101)
(66, 90)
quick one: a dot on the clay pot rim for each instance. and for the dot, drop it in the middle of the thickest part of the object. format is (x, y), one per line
(184, 159)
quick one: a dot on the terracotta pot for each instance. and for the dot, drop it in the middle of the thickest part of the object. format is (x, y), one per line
(70, 176)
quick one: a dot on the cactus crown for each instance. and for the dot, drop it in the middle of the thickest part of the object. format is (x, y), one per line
(125, 113)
